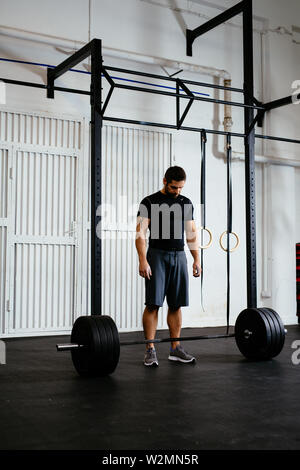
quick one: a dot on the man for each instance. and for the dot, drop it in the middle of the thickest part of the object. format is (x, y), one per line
(168, 215)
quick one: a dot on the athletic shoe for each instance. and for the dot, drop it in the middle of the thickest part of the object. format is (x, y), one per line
(179, 354)
(150, 358)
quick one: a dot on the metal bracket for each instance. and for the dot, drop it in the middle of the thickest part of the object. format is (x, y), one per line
(70, 62)
(180, 84)
(259, 115)
(191, 35)
(50, 83)
(278, 103)
(257, 120)
(112, 85)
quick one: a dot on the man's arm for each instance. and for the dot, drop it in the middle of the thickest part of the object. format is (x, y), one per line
(141, 246)
(193, 244)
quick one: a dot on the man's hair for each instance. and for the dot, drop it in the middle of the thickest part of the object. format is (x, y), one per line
(175, 173)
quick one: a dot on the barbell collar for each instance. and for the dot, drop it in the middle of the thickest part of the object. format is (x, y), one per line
(247, 334)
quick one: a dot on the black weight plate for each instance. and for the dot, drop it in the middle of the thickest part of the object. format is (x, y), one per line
(276, 331)
(272, 330)
(257, 345)
(111, 345)
(281, 328)
(116, 339)
(267, 347)
(279, 319)
(86, 359)
(103, 345)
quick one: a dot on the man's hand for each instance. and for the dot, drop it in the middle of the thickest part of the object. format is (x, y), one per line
(196, 269)
(145, 270)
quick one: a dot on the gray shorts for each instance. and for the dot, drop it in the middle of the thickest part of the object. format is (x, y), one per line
(169, 278)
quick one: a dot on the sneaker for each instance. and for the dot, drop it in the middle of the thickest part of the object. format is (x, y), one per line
(179, 354)
(150, 358)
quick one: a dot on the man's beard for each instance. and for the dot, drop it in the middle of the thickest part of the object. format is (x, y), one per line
(170, 194)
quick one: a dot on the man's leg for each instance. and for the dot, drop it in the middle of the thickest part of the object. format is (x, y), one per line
(150, 319)
(177, 353)
(174, 320)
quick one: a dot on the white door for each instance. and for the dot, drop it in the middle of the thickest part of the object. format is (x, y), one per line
(43, 247)
(5, 194)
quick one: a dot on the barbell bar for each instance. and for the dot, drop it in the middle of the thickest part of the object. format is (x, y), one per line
(71, 346)
(95, 342)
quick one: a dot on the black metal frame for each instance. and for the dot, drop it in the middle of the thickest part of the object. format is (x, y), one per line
(94, 50)
(245, 7)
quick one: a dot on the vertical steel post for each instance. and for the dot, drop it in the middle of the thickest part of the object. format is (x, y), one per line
(95, 143)
(249, 143)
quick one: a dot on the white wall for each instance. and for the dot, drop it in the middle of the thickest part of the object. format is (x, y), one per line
(156, 29)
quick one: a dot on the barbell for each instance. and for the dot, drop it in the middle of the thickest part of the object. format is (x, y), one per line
(95, 342)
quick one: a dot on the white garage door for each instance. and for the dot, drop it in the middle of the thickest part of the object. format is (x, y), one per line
(40, 195)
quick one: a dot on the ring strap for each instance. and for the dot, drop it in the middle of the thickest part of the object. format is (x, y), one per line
(229, 222)
(203, 202)
(203, 178)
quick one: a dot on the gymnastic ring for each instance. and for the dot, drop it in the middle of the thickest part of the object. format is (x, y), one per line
(210, 238)
(237, 241)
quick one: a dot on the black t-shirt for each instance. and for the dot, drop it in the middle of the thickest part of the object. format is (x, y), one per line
(167, 216)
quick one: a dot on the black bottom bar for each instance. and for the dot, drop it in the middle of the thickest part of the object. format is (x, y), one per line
(171, 126)
(196, 129)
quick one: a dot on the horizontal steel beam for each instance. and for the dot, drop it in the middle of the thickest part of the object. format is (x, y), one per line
(197, 98)
(280, 102)
(172, 79)
(171, 126)
(279, 139)
(44, 87)
(197, 129)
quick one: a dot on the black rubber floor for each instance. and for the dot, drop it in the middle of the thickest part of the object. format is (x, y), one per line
(221, 402)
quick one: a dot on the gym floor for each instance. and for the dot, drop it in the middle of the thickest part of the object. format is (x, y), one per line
(221, 402)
